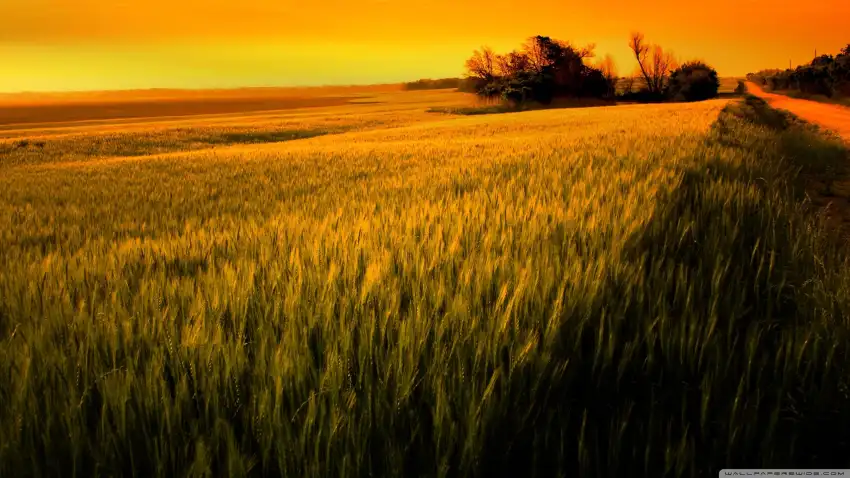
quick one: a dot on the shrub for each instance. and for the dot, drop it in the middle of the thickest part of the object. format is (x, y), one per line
(693, 81)
(643, 95)
(468, 85)
(429, 84)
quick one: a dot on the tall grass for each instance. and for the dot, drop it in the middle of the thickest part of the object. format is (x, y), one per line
(605, 292)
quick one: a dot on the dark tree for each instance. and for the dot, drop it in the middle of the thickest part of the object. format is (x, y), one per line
(513, 63)
(693, 81)
(654, 62)
(823, 60)
(609, 71)
(543, 69)
(482, 64)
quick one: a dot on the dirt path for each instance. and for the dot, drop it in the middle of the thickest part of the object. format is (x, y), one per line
(832, 117)
(829, 194)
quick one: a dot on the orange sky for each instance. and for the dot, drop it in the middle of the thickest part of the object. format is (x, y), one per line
(63, 45)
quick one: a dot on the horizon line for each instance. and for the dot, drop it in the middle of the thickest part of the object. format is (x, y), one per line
(184, 89)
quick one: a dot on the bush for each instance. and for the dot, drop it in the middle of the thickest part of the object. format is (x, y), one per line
(468, 85)
(643, 95)
(429, 84)
(693, 81)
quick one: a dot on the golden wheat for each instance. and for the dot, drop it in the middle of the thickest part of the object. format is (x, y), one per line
(403, 293)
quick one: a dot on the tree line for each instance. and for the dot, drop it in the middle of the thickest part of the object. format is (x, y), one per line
(438, 84)
(544, 68)
(826, 75)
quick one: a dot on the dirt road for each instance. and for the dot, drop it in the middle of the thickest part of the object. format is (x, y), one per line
(832, 117)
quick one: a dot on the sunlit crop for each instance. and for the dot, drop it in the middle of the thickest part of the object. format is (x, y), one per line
(415, 294)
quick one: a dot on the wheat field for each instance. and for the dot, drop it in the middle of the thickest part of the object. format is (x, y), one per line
(374, 290)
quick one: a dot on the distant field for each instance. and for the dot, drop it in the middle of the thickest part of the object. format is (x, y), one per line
(28, 111)
(21, 115)
(727, 85)
(375, 290)
(98, 140)
(174, 94)
(25, 109)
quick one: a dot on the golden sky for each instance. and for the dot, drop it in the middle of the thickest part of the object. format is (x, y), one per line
(60, 45)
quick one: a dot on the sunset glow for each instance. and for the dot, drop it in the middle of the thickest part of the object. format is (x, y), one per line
(57, 45)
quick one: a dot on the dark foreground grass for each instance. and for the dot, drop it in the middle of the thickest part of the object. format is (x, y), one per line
(717, 337)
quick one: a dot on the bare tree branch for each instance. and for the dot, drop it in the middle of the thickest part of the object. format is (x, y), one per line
(654, 62)
(641, 49)
(482, 64)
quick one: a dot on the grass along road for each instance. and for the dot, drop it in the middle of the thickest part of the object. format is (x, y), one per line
(832, 117)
